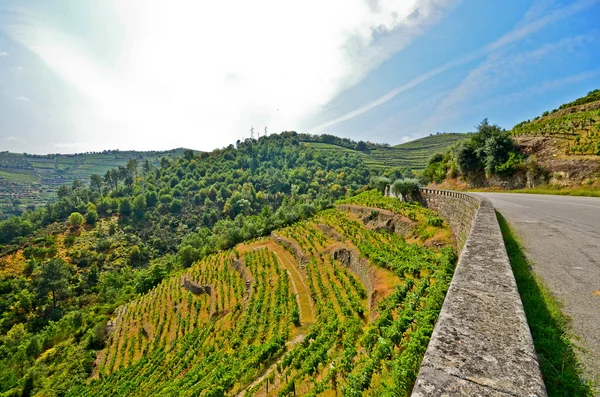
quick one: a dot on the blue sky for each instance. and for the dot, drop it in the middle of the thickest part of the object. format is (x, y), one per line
(89, 75)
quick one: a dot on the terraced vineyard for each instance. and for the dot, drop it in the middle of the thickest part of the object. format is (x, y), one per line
(343, 302)
(32, 180)
(413, 155)
(578, 133)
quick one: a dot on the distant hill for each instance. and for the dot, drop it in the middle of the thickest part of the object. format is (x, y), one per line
(413, 155)
(28, 180)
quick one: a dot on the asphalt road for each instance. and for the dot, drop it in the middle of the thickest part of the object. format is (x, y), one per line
(561, 237)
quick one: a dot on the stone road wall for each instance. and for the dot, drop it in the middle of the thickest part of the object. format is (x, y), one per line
(481, 344)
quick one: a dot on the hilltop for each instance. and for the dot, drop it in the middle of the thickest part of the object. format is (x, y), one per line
(29, 180)
(412, 155)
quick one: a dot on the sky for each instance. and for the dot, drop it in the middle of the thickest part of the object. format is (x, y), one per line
(92, 75)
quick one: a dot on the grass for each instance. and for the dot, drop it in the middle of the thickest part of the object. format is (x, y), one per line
(19, 177)
(587, 191)
(550, 328)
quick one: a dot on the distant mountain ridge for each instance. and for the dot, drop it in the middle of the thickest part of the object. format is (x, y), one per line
(28, 180)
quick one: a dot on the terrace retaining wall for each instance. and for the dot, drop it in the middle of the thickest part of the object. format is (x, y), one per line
(481, 344)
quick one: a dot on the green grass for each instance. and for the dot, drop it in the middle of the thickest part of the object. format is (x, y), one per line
(587, 191)
(550, 328)
(19, 177)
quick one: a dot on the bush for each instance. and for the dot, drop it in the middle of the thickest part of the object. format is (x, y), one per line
(75, 219)
(125, 207)
(408, 188)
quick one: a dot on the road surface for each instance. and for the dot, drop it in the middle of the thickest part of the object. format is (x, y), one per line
(561, 237)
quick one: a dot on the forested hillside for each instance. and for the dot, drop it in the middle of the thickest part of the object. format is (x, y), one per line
(67, 266)
(29, 180)
(560, 147)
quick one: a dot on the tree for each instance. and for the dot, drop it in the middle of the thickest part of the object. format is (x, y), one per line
(175, 206)
(125, 207)
(91, 215)
(139, 206)
(188, 154)
(406, 187)
(96, 182)
(380, 183)
(75, 219)
(151, 199)
(53, 279)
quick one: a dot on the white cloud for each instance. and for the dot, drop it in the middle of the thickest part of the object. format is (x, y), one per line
(495, 69)
(528, 26)
(199, 74)
(537, 89)
(70, 147)
(15, 139)
(22, 99)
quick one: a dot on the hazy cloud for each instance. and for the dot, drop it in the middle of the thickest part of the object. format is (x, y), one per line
(521, 31)
(15, 139)
(3, 54)
(202, 73)
(493, 71)
(23, 99)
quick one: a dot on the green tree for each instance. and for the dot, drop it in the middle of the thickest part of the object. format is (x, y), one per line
(408, 188)
(91, 215)
(96, 182)
(151, 199)
(75, 219)
(125, 207)
(139, 206)
(53, 279)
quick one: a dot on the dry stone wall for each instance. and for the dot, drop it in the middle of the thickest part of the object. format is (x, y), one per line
(481, 344)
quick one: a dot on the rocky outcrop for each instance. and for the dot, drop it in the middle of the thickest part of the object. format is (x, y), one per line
(194, 287)
(244, 274)
(293, 248)
(380, 219)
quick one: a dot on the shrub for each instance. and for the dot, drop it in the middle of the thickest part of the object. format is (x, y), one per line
(408, 188)
(75, 219)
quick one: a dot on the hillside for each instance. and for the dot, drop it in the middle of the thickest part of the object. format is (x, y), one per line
(300, 312)
(566, 141)
(28, 181)
(68, 265)
(413, 155)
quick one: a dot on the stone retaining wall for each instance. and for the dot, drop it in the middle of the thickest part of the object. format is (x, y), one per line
(481, 344)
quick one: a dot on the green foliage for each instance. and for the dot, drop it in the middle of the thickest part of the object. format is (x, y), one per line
(408, 188)
(139, 206)
(125, 207)
(91, 215)
(75, 219)
(380, 183)
(53, 280)
(14, 227)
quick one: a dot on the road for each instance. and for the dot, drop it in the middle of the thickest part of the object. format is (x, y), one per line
(561, 237)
